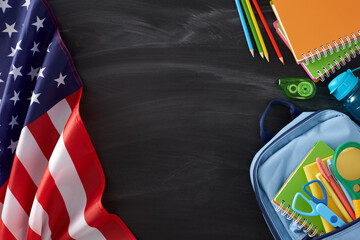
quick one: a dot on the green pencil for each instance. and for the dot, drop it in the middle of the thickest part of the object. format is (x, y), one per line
(252, 28)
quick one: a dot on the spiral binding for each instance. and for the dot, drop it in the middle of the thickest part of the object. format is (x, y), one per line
(336, 44)
(354, 49)
(296, 221)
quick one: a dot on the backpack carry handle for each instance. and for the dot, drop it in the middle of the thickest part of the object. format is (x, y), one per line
(265, 135)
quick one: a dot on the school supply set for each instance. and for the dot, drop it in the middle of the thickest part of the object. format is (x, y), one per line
(284, 165)
(326, 198)
(322, 35)
(284, 198)
(245, 7)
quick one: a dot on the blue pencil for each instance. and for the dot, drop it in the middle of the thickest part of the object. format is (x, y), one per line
(246, 31)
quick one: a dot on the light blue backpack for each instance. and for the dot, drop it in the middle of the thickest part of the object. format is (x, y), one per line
(279, 157)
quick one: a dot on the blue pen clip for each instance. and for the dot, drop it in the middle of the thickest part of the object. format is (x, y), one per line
(347, 194)
(318, 206)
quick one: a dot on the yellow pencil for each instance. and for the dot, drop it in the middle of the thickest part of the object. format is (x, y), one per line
(330, 192)
(257, 29)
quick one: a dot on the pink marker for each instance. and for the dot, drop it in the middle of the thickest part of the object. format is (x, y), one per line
(325, 172)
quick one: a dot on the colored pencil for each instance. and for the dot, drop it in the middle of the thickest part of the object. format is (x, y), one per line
(258, 45)
(243, 23)
(257, 29)
(273, 42)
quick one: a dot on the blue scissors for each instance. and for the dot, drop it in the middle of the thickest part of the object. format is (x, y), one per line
(318, 206)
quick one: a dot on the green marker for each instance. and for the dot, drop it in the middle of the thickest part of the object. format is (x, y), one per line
(298, 88)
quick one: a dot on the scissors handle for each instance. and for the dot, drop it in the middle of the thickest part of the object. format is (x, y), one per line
(319, 209)
(329, 215)
(315, 199)
(311, 204)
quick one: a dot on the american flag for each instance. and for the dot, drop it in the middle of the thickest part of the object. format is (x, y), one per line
(50, 176)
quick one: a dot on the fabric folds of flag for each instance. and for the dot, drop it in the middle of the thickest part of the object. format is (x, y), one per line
(50, 176)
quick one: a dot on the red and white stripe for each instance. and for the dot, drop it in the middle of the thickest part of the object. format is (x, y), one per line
(56, 182)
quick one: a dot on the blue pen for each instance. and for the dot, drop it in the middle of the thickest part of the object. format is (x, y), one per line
(243, 23)
(347, 195)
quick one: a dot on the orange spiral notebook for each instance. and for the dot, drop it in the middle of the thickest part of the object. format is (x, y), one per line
(316, 28)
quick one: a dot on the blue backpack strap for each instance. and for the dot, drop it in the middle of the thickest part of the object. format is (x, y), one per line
(265, 135)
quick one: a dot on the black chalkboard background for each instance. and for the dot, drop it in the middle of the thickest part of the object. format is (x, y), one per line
(172, 100)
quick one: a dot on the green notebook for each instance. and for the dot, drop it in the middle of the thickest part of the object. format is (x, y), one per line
(321, 68)
(284, 198)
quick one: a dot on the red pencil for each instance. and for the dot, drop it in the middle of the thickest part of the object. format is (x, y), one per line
(277, 50)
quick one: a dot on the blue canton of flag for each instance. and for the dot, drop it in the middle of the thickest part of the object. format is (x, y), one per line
(34, 75)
